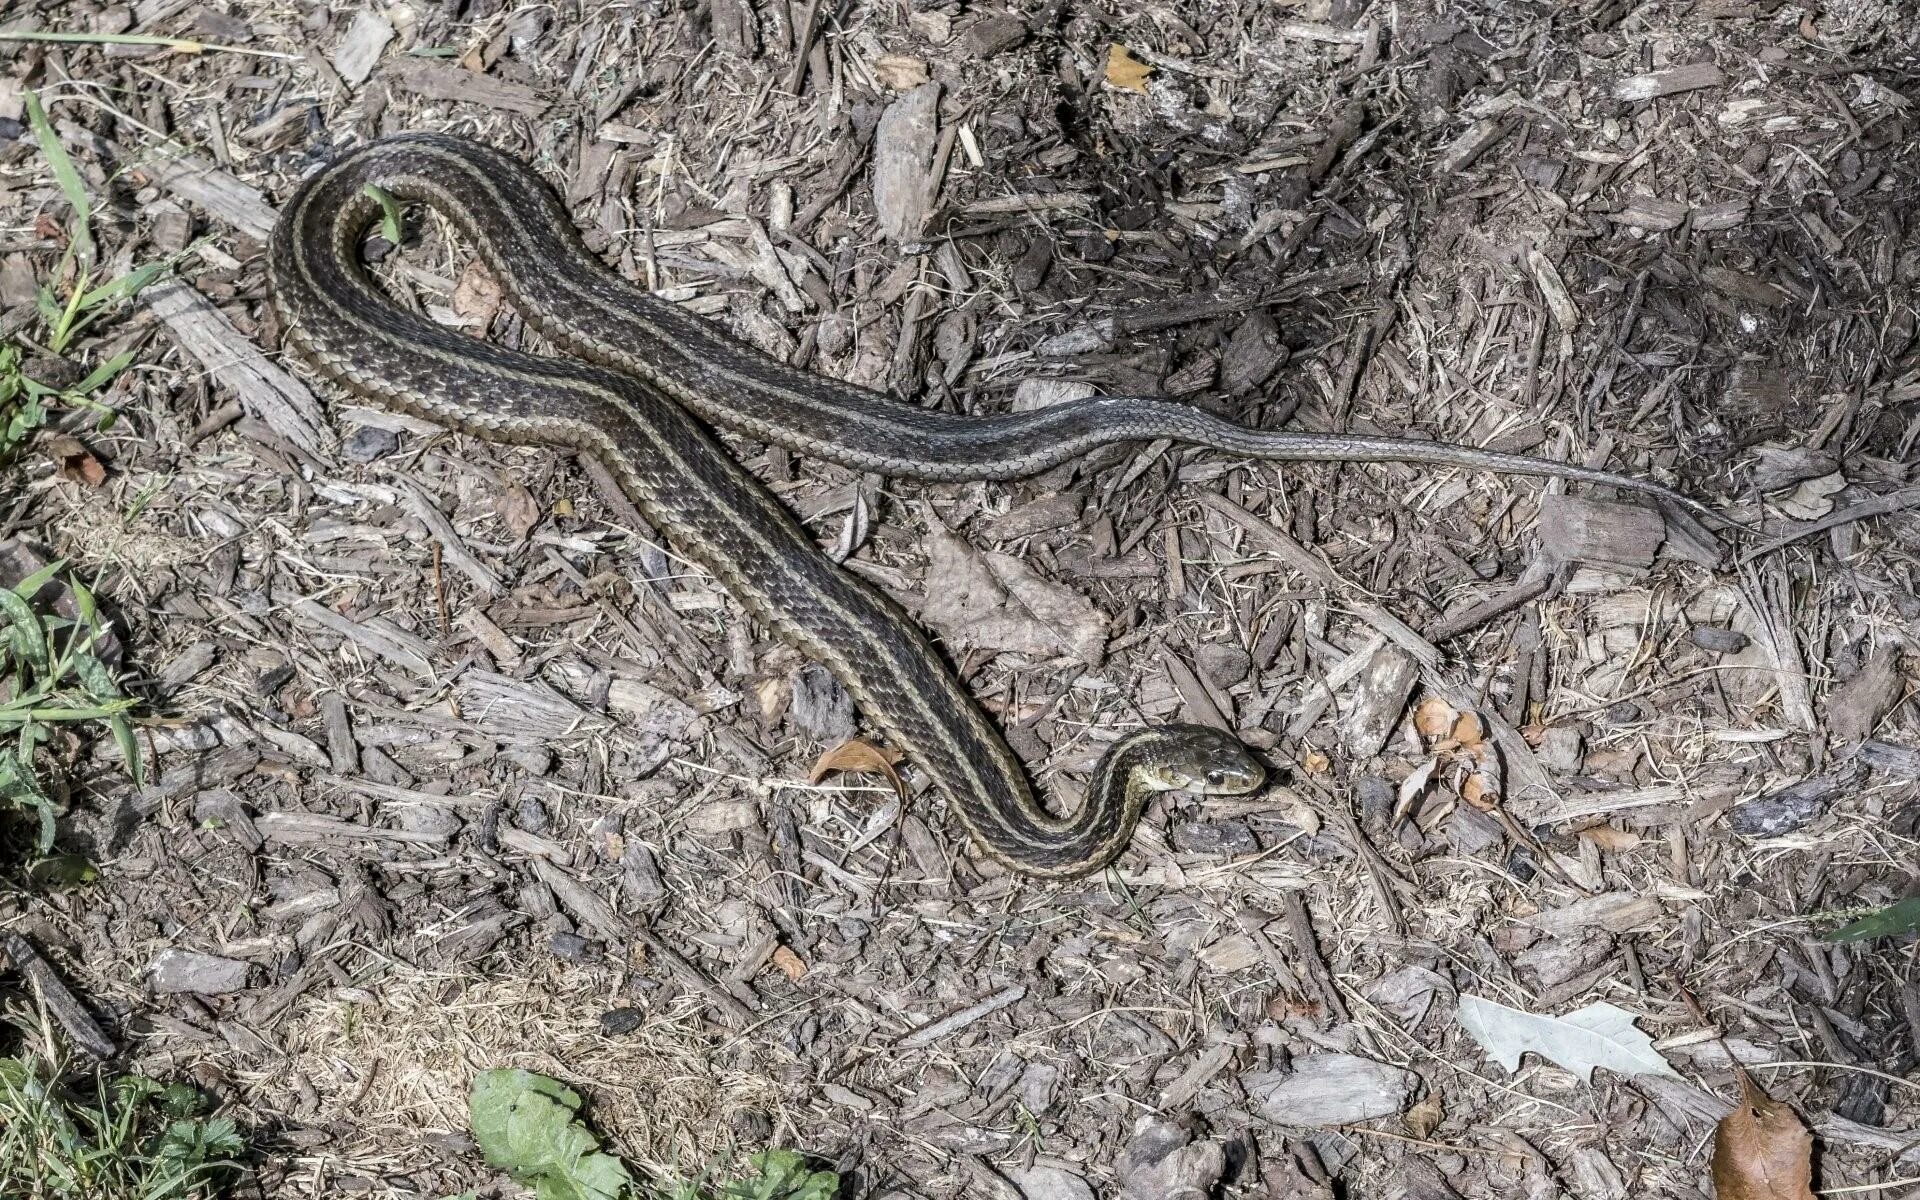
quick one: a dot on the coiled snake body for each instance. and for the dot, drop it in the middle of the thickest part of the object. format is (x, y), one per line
(653, 376)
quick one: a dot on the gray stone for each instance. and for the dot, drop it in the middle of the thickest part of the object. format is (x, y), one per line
(369, 442)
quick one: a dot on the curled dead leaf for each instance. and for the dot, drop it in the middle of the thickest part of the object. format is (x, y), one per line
(1762, 1150)
(791, 965)
(1434, 717)
(477, 296)
(856, 755)
(519, 511)
(1425, 1117)
(1126, 71)
(1468, 730)
(74, 461)
(900, 72)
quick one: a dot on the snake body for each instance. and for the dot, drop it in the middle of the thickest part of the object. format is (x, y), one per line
(646, 382)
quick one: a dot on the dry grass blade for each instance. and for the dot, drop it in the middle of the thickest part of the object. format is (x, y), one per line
(1762, 1150)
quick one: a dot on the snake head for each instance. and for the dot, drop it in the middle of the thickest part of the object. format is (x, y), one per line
(1203, 760)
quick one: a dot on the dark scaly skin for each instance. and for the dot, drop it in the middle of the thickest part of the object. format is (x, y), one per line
(712, 509)
(593, 312)
(655, 373)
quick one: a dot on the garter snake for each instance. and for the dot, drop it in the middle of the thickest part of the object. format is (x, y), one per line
(644, 382)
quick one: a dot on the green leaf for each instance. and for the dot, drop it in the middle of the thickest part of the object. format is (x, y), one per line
(63, 871)
(25, 633)
(30, 587)
(95, 680)
(124, 288)
(65, 175)
(129, 748)
(49, 305)
(1900, 917)
(389, 213)
(103, 374)
(784, 1175)
(527, 1125)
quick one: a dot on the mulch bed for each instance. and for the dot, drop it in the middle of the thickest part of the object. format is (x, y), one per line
(456, 765)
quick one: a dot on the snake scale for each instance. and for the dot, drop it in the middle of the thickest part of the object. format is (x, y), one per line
(643, 383)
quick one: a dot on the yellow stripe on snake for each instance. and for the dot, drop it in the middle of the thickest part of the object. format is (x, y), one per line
(649, 381)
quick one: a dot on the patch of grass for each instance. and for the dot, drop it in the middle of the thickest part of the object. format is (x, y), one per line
(70, 303)
(74, 1137)
(51, 677)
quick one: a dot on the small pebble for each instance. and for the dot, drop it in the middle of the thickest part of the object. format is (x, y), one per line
(532, 815)
(1215, 837)
(572, 947)
(368, 443)
(617, 1021)
(1223, 665)
(1716, 640)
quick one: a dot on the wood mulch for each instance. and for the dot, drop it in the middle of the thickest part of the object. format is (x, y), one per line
(455, 765)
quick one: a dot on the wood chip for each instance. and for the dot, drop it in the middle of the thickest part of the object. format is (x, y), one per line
(444, 81)
(359, 49)
(903, 167)
(1574, 529)
(268, 393)
(1669, 81)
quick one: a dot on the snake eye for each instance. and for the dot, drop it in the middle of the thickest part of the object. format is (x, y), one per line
(1216, 777)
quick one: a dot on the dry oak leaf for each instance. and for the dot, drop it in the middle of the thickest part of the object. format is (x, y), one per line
(900, 72)
(997, 602)
(856, 755)
(518, 511)
(1761, 1151)
(74, 461)
(1126, 71)
(1599, 1035)
(791, 965)
(477, 296)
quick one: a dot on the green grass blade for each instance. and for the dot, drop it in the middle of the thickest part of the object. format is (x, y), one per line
(85, 605)
(124, 288)
(129, 748)
(389, 213)
(1900, 917)
(81, 235)
(30, 587)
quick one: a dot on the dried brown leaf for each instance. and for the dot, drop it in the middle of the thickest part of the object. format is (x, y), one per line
(856, 755)
(477, 296)
(900, 72)
(1762, 1150)
(1425, 1117)
(75, 461)
(1434, 717)
(791, 965)
(996, 601)
(519, 511)
(1126, 71)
